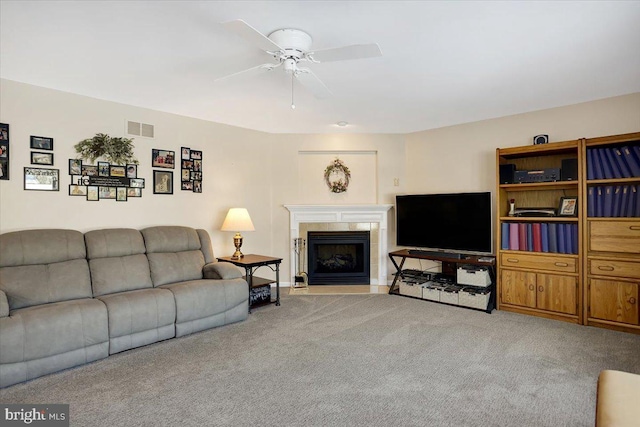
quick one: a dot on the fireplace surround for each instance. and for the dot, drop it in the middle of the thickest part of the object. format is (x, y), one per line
(373, 217)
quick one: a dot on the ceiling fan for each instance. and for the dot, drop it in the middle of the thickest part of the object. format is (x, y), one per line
(289, 47)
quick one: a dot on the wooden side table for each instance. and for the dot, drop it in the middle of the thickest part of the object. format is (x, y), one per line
(251, 263)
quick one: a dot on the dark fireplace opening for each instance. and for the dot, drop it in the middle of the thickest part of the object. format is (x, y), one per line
(338, 257)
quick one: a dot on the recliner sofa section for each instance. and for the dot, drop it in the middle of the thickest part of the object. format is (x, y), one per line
(50, 320)
(67, 299)
(207, 293)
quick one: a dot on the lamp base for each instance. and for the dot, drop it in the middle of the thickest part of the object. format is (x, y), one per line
(237, 241)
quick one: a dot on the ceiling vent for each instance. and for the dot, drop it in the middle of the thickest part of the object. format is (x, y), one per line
(140, 129)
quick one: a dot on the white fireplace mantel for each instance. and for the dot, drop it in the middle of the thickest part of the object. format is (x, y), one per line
(300, 214)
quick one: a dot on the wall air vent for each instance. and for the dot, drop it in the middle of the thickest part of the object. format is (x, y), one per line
(140, 129)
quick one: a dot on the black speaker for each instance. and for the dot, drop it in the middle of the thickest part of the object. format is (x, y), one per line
(507, 173)
(569, 171)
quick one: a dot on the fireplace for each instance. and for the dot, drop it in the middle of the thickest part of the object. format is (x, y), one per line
(305, 218)
(338, 257)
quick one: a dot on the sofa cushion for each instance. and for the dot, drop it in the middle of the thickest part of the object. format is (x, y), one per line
(49, 337)
(43, 266)
(31, 285)
(119, 274)
(139, 318)
(114, 242)
(117, 261)
(46, 246)
(170, 239)
(205, 245)
(202, 304)
(175, 267)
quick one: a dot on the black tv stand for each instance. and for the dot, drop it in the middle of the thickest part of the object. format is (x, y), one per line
(409, 283)
(435, 253)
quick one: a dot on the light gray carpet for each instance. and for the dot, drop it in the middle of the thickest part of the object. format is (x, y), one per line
(352, 360)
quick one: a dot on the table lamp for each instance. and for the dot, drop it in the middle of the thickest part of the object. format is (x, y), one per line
(237, 220)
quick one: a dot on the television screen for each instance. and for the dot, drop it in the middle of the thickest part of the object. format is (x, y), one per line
(450, 222)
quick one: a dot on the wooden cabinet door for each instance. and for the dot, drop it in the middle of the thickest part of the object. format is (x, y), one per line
(518, 288)
(557, 293)
(614, 300)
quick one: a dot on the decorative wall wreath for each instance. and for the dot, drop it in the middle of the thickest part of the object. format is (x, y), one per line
(337, 176)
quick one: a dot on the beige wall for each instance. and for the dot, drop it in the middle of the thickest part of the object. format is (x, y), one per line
(262, 171)
(242, 167)
(462, 158)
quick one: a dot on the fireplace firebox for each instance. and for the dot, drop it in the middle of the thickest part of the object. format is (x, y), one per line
(338, 257)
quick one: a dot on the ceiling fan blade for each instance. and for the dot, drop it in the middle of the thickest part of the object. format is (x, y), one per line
(251, 35)
(356, 51)
(249, 72)
(313, 83)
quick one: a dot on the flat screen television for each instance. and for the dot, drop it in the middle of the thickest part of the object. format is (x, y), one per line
(456, 222)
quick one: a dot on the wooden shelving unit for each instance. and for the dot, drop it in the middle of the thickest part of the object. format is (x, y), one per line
(598, 286)
(612, 252)
(539, 283)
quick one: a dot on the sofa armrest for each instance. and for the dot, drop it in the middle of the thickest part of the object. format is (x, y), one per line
(221, 270)
(617, 399)
(4, 304)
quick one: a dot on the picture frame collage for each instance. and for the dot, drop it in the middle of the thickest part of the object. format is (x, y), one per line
(38, 178)
(4, 151)
(163, 179)
(191, 170)
(104, 181)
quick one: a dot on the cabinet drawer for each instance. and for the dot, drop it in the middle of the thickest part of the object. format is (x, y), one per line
(614, 236)
(540, 262)
(614, 268)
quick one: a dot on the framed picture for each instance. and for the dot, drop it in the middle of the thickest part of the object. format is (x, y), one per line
(4, 151)
(186, 153)
(41, 179)
(121, 194)
(197, 186)
(132, 171)
(163, 158)
(162, 182)
(107, 192)
(196, 155)
(187, 185)
(568, 206)
(41, 143)
(89, 170)
(186, 175)
(119, 171)
(75, 167)
(77, 190)
(134, 192)
(104, 168)
(187, 164)
(41, 158)
(92, 193)
(197, 165)
(136, 182)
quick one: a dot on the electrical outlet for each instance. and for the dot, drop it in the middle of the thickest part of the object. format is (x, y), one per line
(396, 182)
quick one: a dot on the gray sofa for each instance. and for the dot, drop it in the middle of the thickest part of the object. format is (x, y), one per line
(67, 299)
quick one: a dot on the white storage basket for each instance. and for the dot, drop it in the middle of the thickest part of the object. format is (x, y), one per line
(449, 295)
(411, 290)
(474, 276)
(471, 298)
(431, 293)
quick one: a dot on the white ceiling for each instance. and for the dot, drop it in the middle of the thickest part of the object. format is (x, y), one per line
(443, 63)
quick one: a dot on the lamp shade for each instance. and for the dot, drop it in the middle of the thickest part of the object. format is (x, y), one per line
(237, 219)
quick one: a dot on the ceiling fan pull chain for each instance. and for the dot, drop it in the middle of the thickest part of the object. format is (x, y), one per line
(293, 105)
